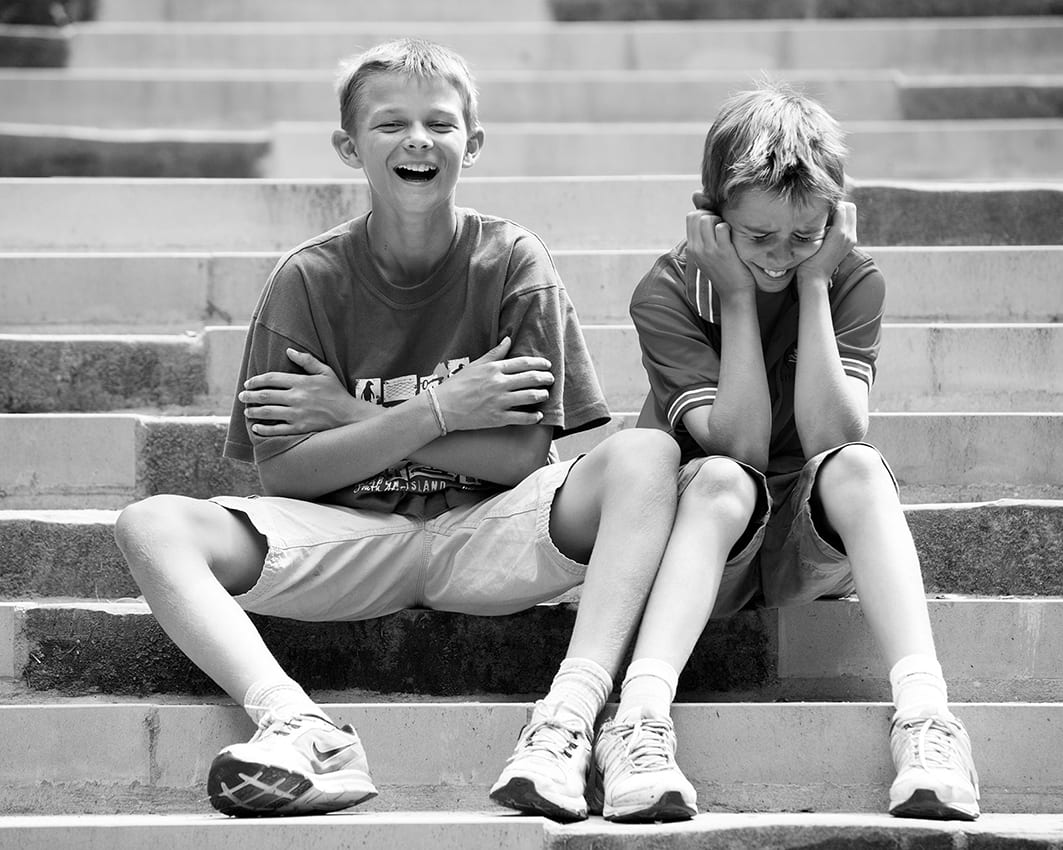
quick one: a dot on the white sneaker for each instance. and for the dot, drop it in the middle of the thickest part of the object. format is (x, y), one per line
(547, 773)
(301, 765)
(635, 759)
(936, 777)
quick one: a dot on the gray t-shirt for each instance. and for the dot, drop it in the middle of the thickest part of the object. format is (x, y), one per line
(388, 343)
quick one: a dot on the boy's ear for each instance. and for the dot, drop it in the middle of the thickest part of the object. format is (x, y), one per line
(473, 146)
(701, 201)
(343, 144)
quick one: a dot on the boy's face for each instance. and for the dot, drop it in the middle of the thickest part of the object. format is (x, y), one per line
(411, 140)
(773, 236)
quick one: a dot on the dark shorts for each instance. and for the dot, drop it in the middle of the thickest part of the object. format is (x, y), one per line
(783, 558)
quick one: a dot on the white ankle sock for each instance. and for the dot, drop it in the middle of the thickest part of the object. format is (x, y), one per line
(649, 684)
(280, 698)
(919, 686)
(579, 690)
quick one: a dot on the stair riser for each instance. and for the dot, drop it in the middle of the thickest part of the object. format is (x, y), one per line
(1004, 548)
(926, 368)
(188, 291)
(976, 150)
(936, 457)
(740, 757)
(117, 215)
(997, 46)
(813, 652)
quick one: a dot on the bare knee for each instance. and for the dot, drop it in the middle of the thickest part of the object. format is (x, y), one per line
(852, 474)
(724, 489)
(177, 533)
(639, 457)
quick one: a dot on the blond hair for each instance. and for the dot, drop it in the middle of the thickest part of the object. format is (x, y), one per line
(414, 57)
(777, 140)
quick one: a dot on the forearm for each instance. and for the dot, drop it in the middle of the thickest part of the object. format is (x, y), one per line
(501, 455)
(339, 457)
(739, 421)
(826, 410)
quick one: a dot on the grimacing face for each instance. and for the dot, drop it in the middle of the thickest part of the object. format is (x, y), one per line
(773, 236)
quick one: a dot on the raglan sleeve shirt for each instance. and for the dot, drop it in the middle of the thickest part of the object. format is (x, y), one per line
(681, 344)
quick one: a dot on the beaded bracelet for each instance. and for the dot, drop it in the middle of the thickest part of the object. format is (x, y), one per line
(437, 410)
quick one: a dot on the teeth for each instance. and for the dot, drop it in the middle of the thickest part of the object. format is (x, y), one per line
(421, 166)
(773, 272)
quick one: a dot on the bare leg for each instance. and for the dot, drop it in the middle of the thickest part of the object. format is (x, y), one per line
(616, 509)
(714, 510)
(861, 504)
(188, 556)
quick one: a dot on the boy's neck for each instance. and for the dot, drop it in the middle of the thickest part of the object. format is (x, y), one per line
(407, 250)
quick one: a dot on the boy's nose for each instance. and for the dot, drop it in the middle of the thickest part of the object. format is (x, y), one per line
(418, 137)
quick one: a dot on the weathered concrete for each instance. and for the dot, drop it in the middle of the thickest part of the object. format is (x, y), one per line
(58, 151)
(28, 46)
(488, 831)
(968, 97)
(259, 215)
(819, 651)
(749, 757)
(153, 292)
(1010, 547)
(71, 373)
(252, 99)
(955, 45)
(939, 367)
(320, 10)
(936, 456)
(1013, 149)
(595, 10)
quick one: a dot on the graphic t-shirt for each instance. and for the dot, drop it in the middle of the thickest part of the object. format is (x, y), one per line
(677, 317)
(388, 343)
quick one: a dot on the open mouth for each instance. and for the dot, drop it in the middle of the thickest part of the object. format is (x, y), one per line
(416, 172)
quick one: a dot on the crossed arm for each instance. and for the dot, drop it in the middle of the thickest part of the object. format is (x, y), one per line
(489, 435)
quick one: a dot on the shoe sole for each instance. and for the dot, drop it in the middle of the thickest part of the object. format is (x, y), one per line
(522, 795)
(245, 789)
(924, 803)
(668, 807)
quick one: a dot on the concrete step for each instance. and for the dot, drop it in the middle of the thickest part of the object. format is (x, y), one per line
(992, 649)
(106, 460)
(37, 150)
(600, 10)
(320, 10)
(165, 293)
(253, 98)
(1015, 149)
(924, 367)
(1012, 149)
(260, 215)
(1005, 547)
(929, 45)
(796, 757)
(488, 831)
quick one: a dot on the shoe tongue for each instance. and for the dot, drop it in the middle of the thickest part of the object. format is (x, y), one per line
(641, 712)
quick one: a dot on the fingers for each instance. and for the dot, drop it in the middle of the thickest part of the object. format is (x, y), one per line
(271, 380)
(307, 362)
(496, 353)
(534, 368)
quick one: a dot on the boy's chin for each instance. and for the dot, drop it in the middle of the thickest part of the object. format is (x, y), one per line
(772, 284)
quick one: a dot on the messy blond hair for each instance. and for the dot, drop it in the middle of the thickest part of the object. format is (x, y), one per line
(414, 57)
(778, 140)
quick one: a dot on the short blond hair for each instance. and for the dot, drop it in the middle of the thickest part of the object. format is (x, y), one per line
(778, 140)
(414, 57)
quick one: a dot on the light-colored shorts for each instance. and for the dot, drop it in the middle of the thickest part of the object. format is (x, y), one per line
(328, 563)
(783, 558)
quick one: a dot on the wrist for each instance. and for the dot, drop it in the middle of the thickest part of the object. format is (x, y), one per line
(812, 280)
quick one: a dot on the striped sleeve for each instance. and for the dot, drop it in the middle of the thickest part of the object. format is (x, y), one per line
(857, 303)
(679, 353)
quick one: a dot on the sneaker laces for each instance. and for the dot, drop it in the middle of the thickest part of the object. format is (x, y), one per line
(272, 723)
(648, 744)
(933, 743)
(547, 736)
